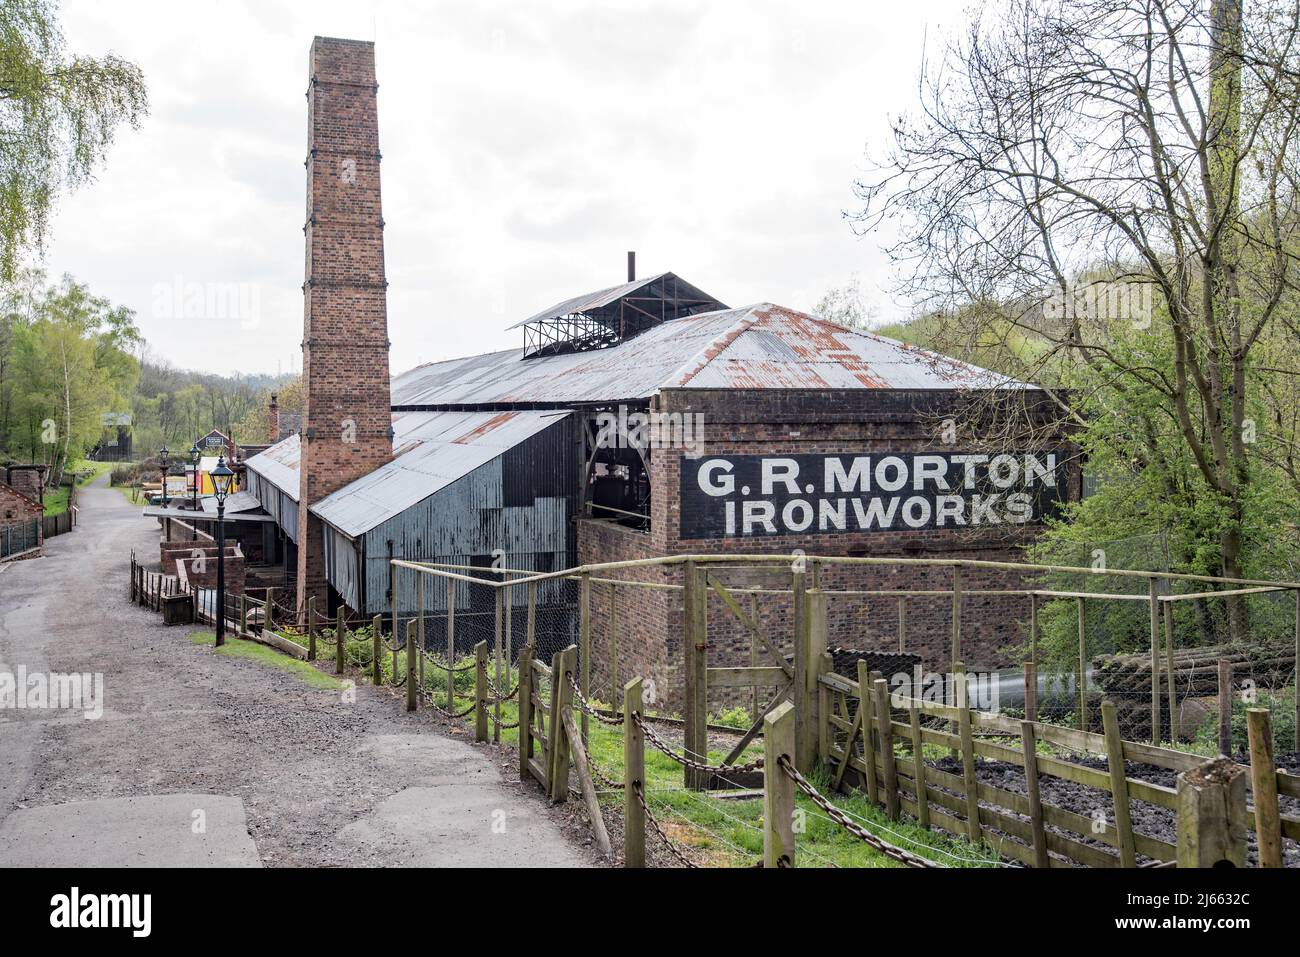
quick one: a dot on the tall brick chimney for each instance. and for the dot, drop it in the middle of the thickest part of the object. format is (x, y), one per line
(273, 417)
(346, 423)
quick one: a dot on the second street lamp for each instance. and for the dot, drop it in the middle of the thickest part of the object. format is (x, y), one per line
(162, 453)
(221, 477)
(194, 474)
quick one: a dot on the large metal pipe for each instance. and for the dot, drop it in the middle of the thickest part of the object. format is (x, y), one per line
(631, 265)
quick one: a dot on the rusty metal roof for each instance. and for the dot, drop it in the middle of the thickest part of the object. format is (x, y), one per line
(756, 347)
(430, 451)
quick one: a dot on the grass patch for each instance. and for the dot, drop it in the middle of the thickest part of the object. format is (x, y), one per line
(266, 655)
(56, 499)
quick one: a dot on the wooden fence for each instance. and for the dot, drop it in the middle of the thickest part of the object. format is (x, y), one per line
(862, 726)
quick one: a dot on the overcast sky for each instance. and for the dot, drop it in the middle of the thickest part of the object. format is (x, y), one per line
(527, 146)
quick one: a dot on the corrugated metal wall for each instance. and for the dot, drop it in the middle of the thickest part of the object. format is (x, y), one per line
(275, 503)
(517, 506)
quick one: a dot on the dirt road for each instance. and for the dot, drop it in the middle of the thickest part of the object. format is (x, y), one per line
(205, 760)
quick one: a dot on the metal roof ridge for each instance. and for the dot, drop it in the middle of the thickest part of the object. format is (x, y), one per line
(692, 366)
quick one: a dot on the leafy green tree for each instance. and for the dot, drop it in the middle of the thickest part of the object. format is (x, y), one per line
(58, 114)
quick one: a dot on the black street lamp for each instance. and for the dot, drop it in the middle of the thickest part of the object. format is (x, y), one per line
(194, 475)
(162, 452)
(221, 476)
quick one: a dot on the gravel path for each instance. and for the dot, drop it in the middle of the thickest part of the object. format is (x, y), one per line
(323, 780)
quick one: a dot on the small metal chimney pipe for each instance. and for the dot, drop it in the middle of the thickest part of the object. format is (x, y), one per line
(631, 265)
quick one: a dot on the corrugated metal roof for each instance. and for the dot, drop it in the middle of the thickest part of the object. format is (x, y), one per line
(756, 347)
(591, 300)
(279, 465)
(242, 501)
(432, 450)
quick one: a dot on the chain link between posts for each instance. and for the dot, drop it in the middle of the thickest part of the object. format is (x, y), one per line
(842, 819)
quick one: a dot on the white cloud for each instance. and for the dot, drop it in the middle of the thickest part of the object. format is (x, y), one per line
(526, 148)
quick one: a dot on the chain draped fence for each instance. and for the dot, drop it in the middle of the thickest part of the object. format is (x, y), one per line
(756, 638)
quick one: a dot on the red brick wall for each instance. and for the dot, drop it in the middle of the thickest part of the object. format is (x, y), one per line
(346, 417)
(16, 510)
(781, 422)
(205, 575)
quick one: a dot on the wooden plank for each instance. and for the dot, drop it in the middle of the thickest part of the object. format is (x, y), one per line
(695, 663)
(1038, 837)
(633, 777)
(1081, 674)
(561, 700)
(1268, 826)
(967, 754)
(1153, 590)
(778, 788)
(578, 753)
(480, 689)
(451, 645)
(525, 708)
(1115, 767)
(854, 727)
(864, 729)
(884, 728)
(918, 753)
(584, 645)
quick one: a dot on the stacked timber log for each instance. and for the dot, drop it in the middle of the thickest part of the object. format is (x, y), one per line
(1126, 680)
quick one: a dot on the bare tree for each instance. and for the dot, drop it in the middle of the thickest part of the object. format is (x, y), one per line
(1066, 149)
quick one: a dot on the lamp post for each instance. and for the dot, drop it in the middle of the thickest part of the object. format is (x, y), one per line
(194, 475)
(162, 452)
(221, 476)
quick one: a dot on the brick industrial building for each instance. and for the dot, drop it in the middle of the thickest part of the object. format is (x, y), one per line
(643, 420)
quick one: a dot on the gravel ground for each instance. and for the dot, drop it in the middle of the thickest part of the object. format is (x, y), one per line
(1149, 819)
(306, 763)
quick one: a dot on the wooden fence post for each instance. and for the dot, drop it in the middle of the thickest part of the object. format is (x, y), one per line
(956, 615)
(480, 693)
(341, 643)
(1082, 673)
(419, 629)
(808, 661)
(376, 644)
(243, 614)
(268, 622)
(1211, 814)
(584, 645)
(412, 672)
(1169, 671)
(918, 757)
(1119, 783)
(1033, 629)
(525, 709)
(451, 644)
(886, 731)
(1153, 589)
(1295, 674)
(633, 777)
(864, 717)
(1029, 748)
(778, 788)
(311, 630)
(902, 623)
(1225, 707)
(561, 700)
(695, 654)
(1263, 775)
(1031, 691)
(613, 647)
(969, 781)
(496, 663)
